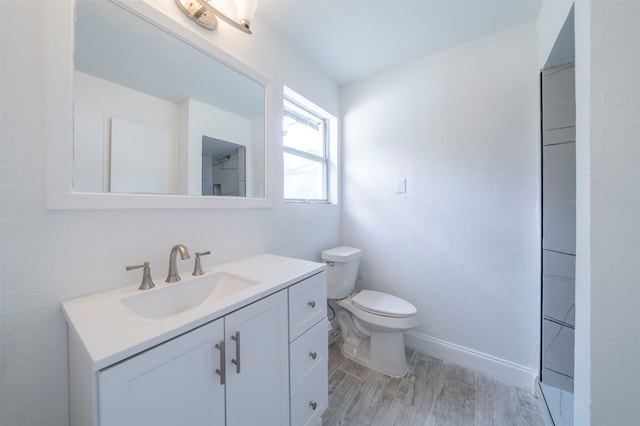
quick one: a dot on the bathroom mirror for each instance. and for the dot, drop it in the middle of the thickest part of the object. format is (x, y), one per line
(171, 94)
(148, 96)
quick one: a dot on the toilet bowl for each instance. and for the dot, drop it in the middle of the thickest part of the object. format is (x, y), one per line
(371, 323)
(375, 338)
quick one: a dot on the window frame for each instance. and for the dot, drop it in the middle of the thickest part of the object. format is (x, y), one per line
(323, 160)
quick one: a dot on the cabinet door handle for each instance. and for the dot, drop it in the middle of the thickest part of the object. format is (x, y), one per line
(220, 371)
(237, 360)
(311, 303)
(313, 405)
(313, 355)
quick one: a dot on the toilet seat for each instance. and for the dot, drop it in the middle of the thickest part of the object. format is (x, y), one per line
(378, 303)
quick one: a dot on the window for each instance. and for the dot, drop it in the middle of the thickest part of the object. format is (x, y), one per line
(306, 153)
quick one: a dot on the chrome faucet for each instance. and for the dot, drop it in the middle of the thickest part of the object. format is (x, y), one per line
(173, 276)
(147, 282)
(197, 267)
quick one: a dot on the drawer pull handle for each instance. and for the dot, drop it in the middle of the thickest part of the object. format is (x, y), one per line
(311, 303)
(220, 371)
(313, 355)
(237, 360)
(313, 405)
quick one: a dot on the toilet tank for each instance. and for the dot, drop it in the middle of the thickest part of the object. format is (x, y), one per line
(342, 270)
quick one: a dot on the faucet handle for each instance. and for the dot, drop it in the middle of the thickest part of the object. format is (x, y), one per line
(197, 268)
(146, 283)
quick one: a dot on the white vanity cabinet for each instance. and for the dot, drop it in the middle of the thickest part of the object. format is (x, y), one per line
(308, 350)
(176, 383)
(252, 358)
(257, 386)
(171, 384)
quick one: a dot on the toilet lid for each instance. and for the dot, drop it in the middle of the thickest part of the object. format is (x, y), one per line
(385, 304)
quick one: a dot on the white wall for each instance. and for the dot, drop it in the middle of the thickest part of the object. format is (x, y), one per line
(608, 229)
(50, 256)
(463, 243)
(608, 206)
(96, 102)
(582, 348)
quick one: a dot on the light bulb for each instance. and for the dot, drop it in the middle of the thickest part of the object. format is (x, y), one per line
(246, 9)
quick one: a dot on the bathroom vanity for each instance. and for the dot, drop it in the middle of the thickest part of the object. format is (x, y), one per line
(245, 343)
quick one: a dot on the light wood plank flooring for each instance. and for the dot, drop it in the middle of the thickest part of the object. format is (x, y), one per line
(433, 392)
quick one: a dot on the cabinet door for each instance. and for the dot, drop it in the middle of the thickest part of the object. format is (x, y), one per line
(257, 388)
(172, 384)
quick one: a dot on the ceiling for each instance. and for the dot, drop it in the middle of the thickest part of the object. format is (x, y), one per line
(352, 39)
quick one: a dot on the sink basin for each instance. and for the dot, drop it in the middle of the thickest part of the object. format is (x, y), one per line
(159, 303)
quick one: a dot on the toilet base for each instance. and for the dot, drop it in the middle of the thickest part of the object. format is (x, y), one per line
(382, 351)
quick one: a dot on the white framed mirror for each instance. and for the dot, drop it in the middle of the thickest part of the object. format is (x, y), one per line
(135, 102)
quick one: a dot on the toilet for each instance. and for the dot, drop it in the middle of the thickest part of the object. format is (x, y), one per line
(371, 323)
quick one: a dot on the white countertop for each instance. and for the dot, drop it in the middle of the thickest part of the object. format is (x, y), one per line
(110, 332)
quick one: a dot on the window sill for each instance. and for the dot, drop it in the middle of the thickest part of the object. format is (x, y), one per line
(309, 202)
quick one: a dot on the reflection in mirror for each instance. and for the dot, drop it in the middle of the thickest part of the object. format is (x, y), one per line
(223, 168)
(141, 159)
(148, 107)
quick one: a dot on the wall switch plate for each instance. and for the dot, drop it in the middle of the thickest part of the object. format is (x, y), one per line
(401, 186)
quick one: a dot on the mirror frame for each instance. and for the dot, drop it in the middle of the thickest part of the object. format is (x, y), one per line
(60, 66)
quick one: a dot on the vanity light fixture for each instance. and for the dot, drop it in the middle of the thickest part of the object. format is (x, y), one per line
(204, 14)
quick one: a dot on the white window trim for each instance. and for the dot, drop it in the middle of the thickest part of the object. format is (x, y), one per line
(331, 148)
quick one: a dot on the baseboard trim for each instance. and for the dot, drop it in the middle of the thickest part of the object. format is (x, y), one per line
(492, 366)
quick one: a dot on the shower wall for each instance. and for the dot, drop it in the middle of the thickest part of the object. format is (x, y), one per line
(558, 226)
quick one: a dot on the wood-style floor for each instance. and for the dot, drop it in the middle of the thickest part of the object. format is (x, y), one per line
(433, 392)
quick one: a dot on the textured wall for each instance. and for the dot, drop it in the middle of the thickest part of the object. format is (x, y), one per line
(582, 348)
(607, 293)
(462, 244)
(50, 256)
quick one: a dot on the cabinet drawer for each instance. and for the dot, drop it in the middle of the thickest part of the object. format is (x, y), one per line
(312, 400)
(307, 304)
(308, 355)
